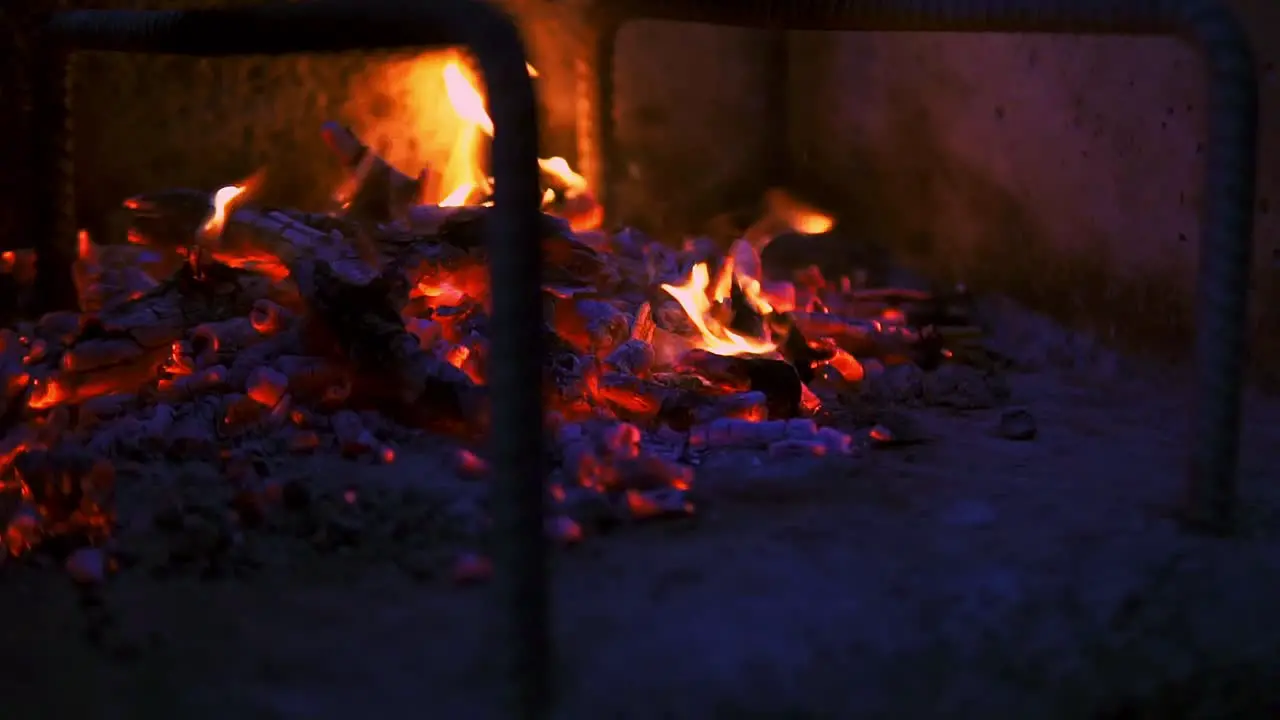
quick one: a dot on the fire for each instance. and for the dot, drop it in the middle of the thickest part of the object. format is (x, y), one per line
(467, 101)
(463, 172)
(574, 183)
(223, 205)
(697, 303)
(796, 215)
(463, 176)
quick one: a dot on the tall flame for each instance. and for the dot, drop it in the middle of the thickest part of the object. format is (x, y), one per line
(464, 175)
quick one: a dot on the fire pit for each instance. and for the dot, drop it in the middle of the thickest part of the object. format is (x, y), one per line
(231, 334)
(236, 334)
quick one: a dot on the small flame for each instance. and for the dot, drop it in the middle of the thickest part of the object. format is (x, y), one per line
(223, 201)
(798, 216)
(808, 222)
(715, 338)
(559, 168)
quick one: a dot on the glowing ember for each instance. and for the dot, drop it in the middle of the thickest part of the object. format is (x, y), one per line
(381, 334)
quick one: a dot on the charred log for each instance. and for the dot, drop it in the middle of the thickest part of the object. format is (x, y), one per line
(352, 314)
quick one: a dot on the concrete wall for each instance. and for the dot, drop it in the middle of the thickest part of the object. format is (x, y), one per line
(1064, 170)
(690, 114)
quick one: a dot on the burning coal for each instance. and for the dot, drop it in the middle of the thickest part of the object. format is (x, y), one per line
(227, 331)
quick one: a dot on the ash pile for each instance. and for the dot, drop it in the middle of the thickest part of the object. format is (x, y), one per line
(228, 342)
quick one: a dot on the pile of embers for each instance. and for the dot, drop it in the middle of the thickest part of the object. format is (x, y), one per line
(232, 336)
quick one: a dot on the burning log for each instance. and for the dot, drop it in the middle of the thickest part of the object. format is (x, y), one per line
(633, 357)
(752, 406)
(632, 398)
(590, 326)
(354, 316)
(374, 190)
(104, 279)
(777, 380)
(568, 263)
(269, 318)
(291, 332)
(214, 340)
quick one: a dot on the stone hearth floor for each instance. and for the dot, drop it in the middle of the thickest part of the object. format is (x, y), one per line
(969, 576)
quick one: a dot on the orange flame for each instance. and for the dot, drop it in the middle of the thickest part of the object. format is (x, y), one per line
(223, 201)
(798, 216)
(714, 336)
(464, 175)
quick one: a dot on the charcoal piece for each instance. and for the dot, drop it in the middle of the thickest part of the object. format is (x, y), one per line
(120, 348)
(566, 260)
(168, 218)
(374, 190)
(591, 326)
(74, 491)
(185, 300)
(930, 349)
(631, 398)
(745, 320)
(794, 347)
(779, 382)
(777, 379)
(751, 406)
(727, 372)
(634, 357)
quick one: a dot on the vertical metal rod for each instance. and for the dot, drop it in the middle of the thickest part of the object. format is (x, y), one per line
(53, 178)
